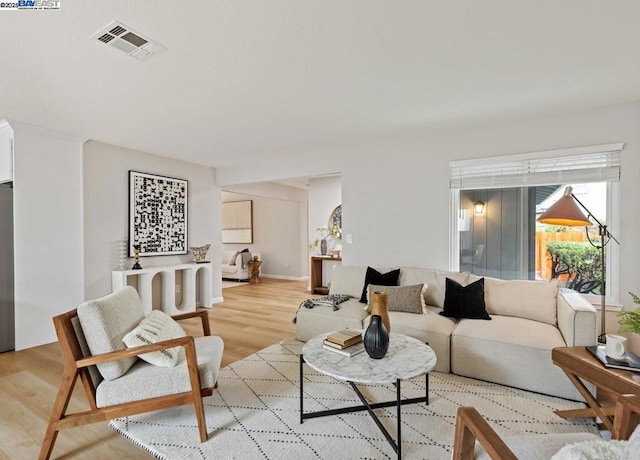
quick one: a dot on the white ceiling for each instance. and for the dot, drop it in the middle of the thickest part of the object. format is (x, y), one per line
(245, 79)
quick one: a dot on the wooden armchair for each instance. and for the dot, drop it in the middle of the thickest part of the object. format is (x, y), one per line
(470, 426)
(193, 378)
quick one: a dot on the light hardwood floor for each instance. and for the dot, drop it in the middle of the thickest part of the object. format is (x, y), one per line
(251, 318)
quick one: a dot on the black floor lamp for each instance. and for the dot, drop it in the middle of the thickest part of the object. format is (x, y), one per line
(565, 212)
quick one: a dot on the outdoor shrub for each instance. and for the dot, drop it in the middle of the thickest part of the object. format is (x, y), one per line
(579, 261)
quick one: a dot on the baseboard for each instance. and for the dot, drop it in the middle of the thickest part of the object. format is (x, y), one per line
(283, 277)
(217, 300)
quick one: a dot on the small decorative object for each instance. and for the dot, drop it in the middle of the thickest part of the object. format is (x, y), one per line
(123, 247)
(136, 257)
(376, 338)
(616, 346)
(254, 270)
(379, 302)
(325, 234)
(200, 253)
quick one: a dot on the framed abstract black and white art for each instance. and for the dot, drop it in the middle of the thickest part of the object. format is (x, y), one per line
(157, 214)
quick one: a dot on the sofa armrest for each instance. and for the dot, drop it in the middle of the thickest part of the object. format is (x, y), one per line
(576, 319)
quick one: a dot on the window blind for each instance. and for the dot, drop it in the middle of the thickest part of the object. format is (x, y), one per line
(582, 164)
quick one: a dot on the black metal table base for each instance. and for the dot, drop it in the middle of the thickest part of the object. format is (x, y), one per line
(398, 402)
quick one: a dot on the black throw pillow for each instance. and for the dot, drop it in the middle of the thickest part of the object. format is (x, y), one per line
(373, 276)
(465, 301)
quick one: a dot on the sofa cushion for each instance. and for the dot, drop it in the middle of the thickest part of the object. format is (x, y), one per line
(232, 259)
(535, 300)
(229, 269)
(347, 280)
(511, 351)
(465, 301)
(516, 331)
(373, 276)
(434, 330)
(434, 280)
(105, 322)
(156, 327)
(227, 256)
(408, 299)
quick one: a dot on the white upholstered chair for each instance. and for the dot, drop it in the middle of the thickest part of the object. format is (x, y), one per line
(117, 383)
(471, 427)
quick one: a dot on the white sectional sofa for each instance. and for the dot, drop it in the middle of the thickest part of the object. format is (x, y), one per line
(236, 270)
(528, 320)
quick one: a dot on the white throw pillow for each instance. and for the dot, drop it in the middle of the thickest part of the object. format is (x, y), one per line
(633, 446)
(591, 450)
(156, 327)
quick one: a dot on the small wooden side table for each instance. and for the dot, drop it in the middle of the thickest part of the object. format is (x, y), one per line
(580, 365)
(254, 271)
(316, 273)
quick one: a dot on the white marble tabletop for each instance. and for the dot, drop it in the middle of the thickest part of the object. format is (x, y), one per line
(406, 358)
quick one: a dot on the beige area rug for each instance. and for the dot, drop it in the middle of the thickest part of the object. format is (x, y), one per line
(255, 414)
(229, 284)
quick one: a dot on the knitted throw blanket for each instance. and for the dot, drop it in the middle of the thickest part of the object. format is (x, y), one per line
(331, 300)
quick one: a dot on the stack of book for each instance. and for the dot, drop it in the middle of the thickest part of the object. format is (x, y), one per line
(347, 342)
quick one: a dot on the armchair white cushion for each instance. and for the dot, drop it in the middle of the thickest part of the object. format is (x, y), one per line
(105, 322)
(144, 380)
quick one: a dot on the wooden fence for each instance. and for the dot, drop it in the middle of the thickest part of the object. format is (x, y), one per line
(543, 263)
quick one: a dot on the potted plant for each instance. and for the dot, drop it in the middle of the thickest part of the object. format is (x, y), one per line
(630, 320)
(325, 232)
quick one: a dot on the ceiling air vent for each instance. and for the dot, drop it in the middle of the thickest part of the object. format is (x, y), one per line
(119, 36)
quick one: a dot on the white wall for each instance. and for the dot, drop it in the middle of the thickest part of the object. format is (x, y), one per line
(6, 154)
(325, 193)
(276, 233)
(106, 214)
(395, 195)
(48, 244)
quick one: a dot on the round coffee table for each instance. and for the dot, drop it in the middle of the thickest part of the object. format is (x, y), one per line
(406, 358)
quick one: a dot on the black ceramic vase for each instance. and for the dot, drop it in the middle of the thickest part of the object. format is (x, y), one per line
(376, 338)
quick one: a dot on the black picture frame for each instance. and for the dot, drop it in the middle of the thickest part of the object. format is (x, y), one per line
(158, 211)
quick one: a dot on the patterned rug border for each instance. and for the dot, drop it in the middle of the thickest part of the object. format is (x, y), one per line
(255, 414)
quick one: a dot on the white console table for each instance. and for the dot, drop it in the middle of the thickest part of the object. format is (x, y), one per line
(190, 273)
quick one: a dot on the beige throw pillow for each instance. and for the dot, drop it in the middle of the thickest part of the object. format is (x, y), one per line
(156, 327)
(408, 299)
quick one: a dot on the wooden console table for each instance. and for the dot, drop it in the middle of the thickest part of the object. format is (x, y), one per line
(317, 286)
(580, 365)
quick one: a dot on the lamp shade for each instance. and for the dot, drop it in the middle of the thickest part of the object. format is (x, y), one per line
(565, 212)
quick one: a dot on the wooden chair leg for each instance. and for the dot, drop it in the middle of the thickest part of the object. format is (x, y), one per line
(194, 378)
(471, 426)
(58, 411)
